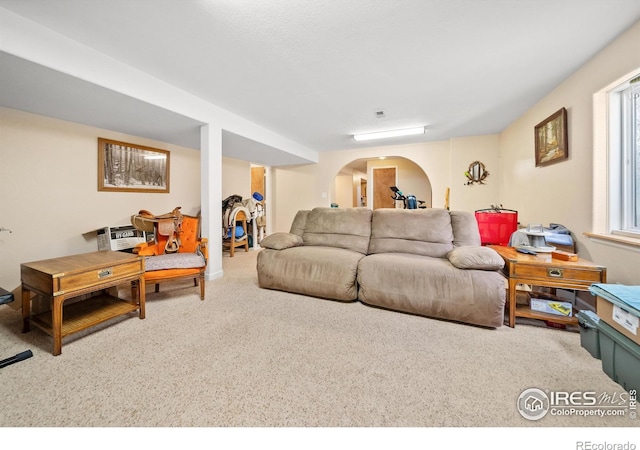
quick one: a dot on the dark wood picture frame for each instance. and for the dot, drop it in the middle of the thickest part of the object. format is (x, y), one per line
(551, 139)
(124, 167)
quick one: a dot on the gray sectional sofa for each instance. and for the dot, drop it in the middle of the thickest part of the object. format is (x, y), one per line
(427, 262)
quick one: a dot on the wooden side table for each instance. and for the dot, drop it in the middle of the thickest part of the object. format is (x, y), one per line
(543, 270)
(71, 276)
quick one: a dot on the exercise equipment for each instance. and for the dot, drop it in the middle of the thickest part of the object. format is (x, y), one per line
(409, 201)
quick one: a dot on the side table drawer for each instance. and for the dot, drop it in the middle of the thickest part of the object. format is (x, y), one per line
(95, 277)
(558, 273)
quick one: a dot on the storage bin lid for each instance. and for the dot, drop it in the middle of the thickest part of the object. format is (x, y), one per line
(588, 318)
(626, 297)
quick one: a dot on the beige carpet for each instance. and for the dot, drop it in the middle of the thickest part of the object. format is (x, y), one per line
(247, 357)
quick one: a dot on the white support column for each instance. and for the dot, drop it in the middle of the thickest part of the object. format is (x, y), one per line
(211, 196)
(269, 195)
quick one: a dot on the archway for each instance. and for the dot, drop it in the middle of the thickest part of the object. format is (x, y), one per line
(353, 185)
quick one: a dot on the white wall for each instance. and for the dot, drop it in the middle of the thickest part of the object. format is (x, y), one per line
(236, 177)
(342, 191)
(562, 192)
(346, 187)
(443, 163)
(49, 189)
(294, 188)
(50, 199)
(359, 190)
(464, 151)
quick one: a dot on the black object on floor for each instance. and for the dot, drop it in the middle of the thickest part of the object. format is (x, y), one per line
(17, 358)
(5, 296)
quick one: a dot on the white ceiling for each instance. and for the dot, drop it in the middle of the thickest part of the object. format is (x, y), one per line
(317, 71)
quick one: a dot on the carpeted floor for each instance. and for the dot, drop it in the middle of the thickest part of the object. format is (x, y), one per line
(247, 357)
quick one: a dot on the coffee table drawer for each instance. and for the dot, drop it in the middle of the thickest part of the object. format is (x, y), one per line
(95, 277)
(550, 272)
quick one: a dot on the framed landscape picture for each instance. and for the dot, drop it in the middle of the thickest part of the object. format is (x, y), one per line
(551, 139)
(124, 167)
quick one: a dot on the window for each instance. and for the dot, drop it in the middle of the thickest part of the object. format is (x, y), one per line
(631, 157)
(616, 163)
(625, 159)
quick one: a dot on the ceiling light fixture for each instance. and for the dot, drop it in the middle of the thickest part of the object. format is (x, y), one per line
(388, 134)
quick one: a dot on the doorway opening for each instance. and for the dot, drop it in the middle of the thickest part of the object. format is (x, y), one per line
(367, 182)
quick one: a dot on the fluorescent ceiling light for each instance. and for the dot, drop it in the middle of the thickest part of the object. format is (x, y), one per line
(388, 134)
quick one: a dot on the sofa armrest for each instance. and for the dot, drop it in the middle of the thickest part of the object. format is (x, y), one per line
(478, 258)
(281, 241)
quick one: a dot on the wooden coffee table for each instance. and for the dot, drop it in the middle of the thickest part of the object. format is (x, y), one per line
(543, 270)
(63, 278)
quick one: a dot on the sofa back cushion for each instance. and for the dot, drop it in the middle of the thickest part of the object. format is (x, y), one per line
(465, 229)
(348, 228)
(299, 222)
(426, 232)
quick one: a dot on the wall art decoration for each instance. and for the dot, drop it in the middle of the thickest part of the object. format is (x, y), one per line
(127, 167)
(551, 139)
(477, 173)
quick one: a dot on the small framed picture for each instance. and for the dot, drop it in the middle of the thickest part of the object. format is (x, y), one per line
(124, 167)
(551, 139)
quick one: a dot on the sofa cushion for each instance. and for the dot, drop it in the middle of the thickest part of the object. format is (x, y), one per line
(425, 232)
(432, 287)
(280, 241)
(479, 258)
(465, 228)
(324, 272)
(299, 222)
(348, 228)
(174, 261)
